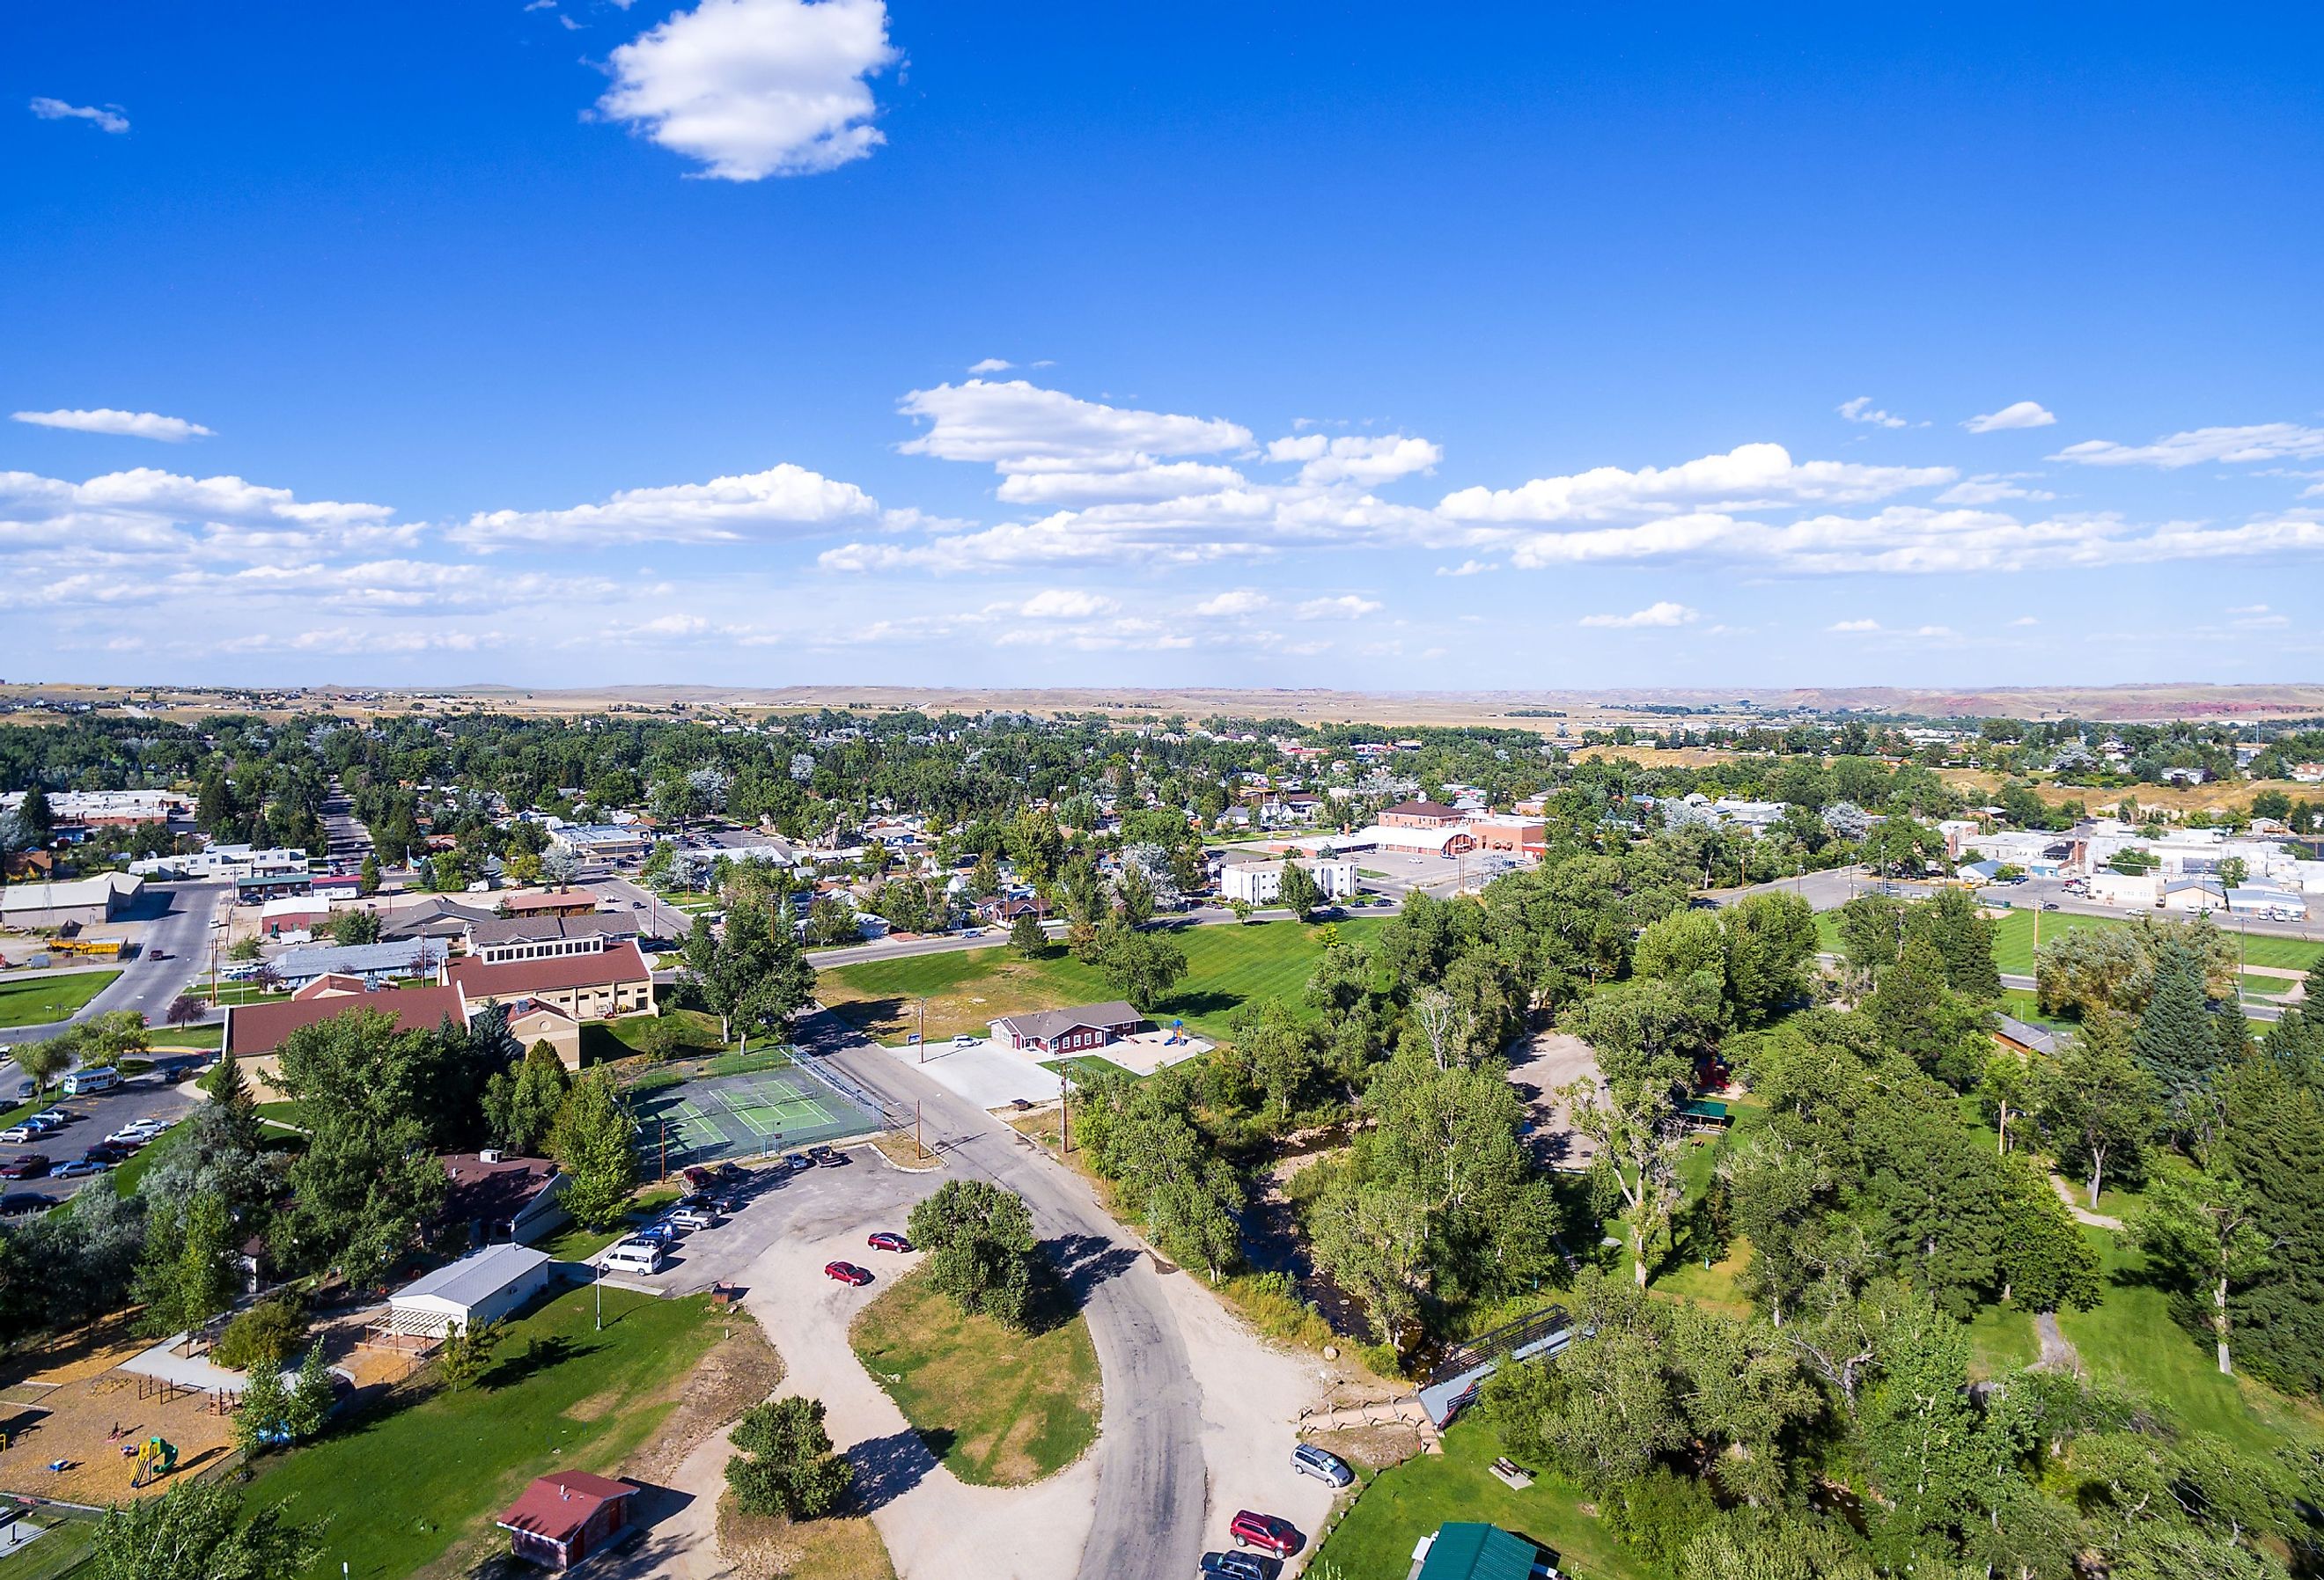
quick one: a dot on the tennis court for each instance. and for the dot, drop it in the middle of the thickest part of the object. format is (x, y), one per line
(719, 1118)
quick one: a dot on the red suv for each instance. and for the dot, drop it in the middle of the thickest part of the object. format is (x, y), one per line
(1265, 1532)
(30, 1166)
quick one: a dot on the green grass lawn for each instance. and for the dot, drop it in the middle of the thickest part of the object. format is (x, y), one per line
(2131, 1339)
(1000, 1407)
(2013, 943)
(605, 1041)
(406, 1486)
(1374, 1540)
(1088, 1067)
(166, 1038)
(35, 1001)
(1226, 967)
(70, 1536)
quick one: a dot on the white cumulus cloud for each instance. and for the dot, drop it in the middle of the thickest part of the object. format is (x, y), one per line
(104, 118)
(1990, 488)
(1347, 606)
(1366, 461)
(1066, 603)
(1862, 409)
(106, 419)
(1664, 613)
(1752, 477)
(1854, 626)
(1018, 426)
(780, 501)
(751, 88)
(2016, 414)
(990, 364)
(1235, 601)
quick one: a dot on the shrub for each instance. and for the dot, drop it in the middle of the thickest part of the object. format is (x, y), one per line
(267, 1335)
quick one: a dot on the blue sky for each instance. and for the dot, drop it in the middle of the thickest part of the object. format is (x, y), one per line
(578, 343)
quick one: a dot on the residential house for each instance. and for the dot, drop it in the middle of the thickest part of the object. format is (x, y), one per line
(498, 1197)
(550, 902)
(435, 917)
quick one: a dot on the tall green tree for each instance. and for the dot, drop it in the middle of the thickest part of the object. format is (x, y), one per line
(783, 1464)
(520, 1109)
(2095, 1102)
(981, 1249)
(752, 973)
(2206, 1228)
(593, 1147)
(2175, 1043)
(201, 1530)
(1299, 892)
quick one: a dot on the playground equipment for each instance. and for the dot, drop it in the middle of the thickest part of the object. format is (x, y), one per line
(156, 1457)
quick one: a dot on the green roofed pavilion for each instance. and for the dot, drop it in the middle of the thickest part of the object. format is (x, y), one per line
(1467, 1550)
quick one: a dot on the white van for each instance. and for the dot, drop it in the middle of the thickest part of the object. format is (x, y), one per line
(81, 1082)
(633, 1256)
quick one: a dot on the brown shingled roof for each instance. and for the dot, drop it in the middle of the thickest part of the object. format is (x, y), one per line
(622, 963)
(259, 1028)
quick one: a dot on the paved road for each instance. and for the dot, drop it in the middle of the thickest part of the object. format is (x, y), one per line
(1151, 1471)
(658, 918)
(346, 839)
(175, 949)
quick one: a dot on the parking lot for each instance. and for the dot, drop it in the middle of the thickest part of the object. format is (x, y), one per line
(144, 1096)
(770, 1205)
(729, 1118)
(1439, 875)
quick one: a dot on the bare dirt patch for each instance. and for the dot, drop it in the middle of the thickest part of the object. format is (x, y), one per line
(741, 1369)
(899, 1148)
(762, 1548)
(1539, 1064)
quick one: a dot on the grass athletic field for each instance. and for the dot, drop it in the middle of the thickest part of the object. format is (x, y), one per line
(721, 1117)
(37, 1000)
(1226, 968)
(2013, 940)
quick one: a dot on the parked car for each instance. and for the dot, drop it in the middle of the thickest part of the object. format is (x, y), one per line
(698, 1217)
(1268, 1532)
(129, 1136)
(1238, 1565)
(105, 1151)
(795, 1161)
(1321, 1464)
(16, 1202)
(633, 1256)
(54, 1117)
(663, 1235)
(20, 1132)
(827, 1158)
(79, 1167)
(888, 1240)
(965, 1039)
(847, 1272)
(30, 1166)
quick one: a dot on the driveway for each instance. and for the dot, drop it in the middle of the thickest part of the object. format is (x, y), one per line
(1198, 1415)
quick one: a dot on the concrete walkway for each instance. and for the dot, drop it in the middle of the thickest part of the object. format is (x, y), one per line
(2082, 1214)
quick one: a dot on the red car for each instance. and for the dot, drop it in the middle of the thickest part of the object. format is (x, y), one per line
(33, 1165)
(847, 1272)
(1266, 1532)
(886, 1239)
